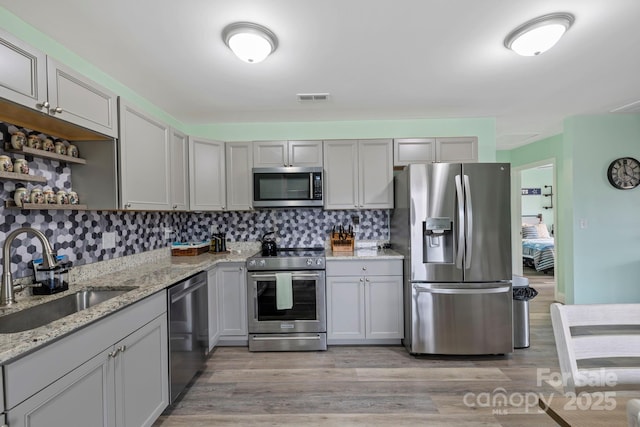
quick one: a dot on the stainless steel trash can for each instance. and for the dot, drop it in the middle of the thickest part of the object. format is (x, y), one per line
(521, 338)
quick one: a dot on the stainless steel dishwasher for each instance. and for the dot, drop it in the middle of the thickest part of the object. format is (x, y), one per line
(188, 331)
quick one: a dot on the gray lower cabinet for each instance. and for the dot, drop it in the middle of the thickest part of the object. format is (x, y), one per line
(214, 310)
(364, 302)
(124, 384)
(232, 294)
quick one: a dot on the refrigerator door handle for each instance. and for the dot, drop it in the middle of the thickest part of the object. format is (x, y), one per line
(462, 291)
(469, 227)
(460, 197)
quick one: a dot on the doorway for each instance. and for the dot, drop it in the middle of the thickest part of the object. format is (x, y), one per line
(534, 203)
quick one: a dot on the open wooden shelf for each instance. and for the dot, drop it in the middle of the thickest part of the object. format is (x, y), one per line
(10, 204)
(45, 154)
(22, 177)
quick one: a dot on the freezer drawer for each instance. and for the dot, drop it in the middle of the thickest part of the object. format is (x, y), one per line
(462, 319)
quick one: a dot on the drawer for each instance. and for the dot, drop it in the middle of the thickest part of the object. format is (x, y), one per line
(362, 267)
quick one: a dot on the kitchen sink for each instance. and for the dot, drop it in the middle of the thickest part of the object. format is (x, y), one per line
(40, 315)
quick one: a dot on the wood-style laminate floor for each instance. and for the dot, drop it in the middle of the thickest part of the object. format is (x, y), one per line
(374, 385)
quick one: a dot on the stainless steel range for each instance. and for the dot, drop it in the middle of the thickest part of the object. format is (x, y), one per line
(287, 300)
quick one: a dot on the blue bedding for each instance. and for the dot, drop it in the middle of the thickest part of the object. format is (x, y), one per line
(539, 253)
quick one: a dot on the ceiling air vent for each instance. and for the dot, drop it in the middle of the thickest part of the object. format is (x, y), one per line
(634, 107)
(313, 97)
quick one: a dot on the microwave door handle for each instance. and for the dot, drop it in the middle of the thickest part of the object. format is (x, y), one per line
(311, 185)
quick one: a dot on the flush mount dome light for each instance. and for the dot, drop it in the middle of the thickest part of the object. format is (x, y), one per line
(250, 42)
(538, 35)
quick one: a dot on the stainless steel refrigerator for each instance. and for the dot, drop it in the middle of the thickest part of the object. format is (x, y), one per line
(452, 224)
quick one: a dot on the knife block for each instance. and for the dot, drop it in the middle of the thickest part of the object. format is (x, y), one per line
(344, 244)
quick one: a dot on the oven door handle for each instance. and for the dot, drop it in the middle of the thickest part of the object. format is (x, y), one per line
(273, 276)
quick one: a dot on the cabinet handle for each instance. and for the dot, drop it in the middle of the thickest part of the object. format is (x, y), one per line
(42, 105)
(55, 110)
(366, 279)
(175, 206)
(361, 279)
(127, 205)
(122, 349)
(114, 353)
(364, 268)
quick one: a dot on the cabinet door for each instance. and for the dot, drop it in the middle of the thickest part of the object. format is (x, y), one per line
(144, 161)
(413, 150)
(383, 299)
(341, 174)
(239, 161)
(463, 149)
(345, 308)
(142, 375)
(214, 311)
(76, 99)
(179, 171)
(305, 153)
(232, 287)
(270, 154)
(23, 75)
(84, 397)
(206, 175)
(375, 160)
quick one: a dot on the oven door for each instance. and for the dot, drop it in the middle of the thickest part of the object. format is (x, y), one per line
(308, 313)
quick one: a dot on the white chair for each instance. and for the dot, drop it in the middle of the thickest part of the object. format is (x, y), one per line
(602, 344)
(633, 412)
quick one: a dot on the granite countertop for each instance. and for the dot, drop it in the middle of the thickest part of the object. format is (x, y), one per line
(147, 278)
(147, 273)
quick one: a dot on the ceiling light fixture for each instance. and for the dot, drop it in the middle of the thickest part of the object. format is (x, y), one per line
(538, 35)
(250, 42)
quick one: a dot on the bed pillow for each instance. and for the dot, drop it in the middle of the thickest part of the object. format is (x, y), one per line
(530, 232)
(543, 232)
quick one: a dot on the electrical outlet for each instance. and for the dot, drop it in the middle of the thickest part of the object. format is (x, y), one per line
(168, 233)
(108, 240)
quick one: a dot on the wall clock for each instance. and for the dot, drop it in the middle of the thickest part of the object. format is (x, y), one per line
(624, 173)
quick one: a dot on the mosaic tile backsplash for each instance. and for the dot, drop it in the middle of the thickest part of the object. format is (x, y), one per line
(78, 234)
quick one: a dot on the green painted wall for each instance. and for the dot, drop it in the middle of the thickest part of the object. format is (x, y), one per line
(605, 221)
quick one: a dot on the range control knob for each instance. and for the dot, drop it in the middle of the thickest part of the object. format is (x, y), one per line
(252, 262)
(309, 261)
(319, 261)
(263, 262)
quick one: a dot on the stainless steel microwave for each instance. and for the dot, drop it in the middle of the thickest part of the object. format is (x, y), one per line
(287, 187)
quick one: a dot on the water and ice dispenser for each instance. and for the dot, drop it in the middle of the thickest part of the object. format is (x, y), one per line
(438, 240)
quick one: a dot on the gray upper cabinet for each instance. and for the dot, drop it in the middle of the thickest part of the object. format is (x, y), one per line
(239, 160)
(32, 79)
(427, 150)
(267, 154)
(179, 171)
(207, 180)
(358, 174)
(413, 150)
(23, 75)
(145, 168)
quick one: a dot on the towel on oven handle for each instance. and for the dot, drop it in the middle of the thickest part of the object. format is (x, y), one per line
(284, 291)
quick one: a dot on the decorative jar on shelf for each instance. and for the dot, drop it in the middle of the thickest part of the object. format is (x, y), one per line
(62, 198)
(49, 196)
(21, 166)
(47, 145)
(73, 198)
(6, 165)
(72, 151)
(34, 141)
(20, 196)
(18, 140)
(36, 196)
(60, 148)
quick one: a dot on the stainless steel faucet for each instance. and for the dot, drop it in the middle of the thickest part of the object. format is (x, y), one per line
(48, 261)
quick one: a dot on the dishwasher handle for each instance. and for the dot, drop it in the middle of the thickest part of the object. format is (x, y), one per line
(178, 295)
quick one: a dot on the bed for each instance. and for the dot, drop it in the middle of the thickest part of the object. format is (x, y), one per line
(538, 248)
